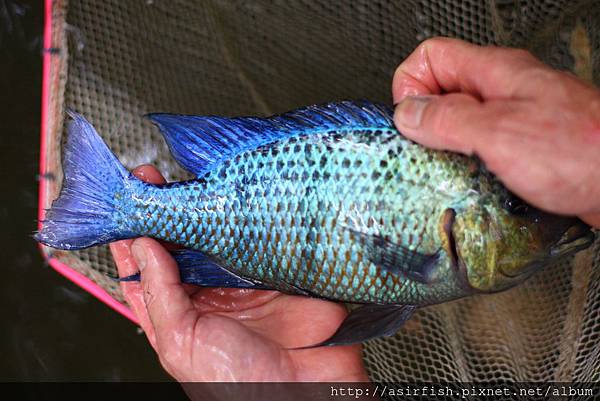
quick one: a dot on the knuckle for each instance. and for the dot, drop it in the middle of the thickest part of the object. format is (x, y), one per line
(496, 148)
(149, 295)
(172, 364)
(437, 41)
(520, 61)
(432, 44)
(520, 54)
(532, 79)
(435, 44)
(441, 116)
(499, 56)
(591, 131)
(171, 357)
(441, 124)
(400, 75)
(176, 348)
(548, 76)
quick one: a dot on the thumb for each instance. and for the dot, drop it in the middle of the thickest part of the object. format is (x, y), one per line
(457, 122)
(164, 295)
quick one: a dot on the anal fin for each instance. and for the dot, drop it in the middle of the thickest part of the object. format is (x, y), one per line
(369, 322)
(197, 268)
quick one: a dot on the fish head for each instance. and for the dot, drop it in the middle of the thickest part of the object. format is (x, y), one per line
(498, 244)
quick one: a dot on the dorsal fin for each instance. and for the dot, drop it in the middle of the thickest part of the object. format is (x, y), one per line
(200, 143)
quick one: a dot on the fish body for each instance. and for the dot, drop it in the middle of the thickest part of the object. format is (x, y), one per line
(298, 214)
(328, 201)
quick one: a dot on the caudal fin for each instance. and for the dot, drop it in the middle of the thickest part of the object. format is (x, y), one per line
(84, 213)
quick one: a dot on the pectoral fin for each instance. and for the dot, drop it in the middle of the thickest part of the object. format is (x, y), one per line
(397, 258)
(368, 322)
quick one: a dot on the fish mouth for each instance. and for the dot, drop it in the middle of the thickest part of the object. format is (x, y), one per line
(574, 239)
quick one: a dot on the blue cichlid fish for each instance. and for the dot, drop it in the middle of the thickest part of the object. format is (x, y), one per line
(328, 201)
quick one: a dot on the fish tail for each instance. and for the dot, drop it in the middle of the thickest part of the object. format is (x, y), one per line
(86, 211)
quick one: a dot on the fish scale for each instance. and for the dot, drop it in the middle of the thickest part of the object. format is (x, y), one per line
(318, 254)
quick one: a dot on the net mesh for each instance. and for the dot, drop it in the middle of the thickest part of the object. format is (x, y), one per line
(118, 60)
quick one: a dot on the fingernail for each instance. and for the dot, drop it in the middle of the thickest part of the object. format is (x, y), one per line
(139, 254)
(409, 112)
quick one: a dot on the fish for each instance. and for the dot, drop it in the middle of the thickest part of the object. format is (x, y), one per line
(329, 201)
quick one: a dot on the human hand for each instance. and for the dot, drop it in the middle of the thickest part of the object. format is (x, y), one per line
(536, 128)
(215, 334)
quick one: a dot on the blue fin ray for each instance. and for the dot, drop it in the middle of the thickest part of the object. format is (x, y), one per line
(200, 143)
(83, 214)
(197, 268)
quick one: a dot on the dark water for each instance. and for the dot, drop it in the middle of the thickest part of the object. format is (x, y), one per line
(49, 328)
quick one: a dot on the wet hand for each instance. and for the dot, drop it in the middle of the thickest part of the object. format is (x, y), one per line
(536, 128)
(206, 334)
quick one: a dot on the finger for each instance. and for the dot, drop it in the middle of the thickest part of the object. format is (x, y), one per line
(284, 321)
(132, 291)
(208, 299)
(456, 122)
(492, 130)
(461, 123)
(510, 137)
(122, 254)
(164, 295)
(450, 65)
(126, 265)
(149, 174)
(593, 219)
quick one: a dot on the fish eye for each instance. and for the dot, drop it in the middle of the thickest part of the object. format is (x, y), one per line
(516, 206)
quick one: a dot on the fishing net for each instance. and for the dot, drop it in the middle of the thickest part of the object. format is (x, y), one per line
(114, 61)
